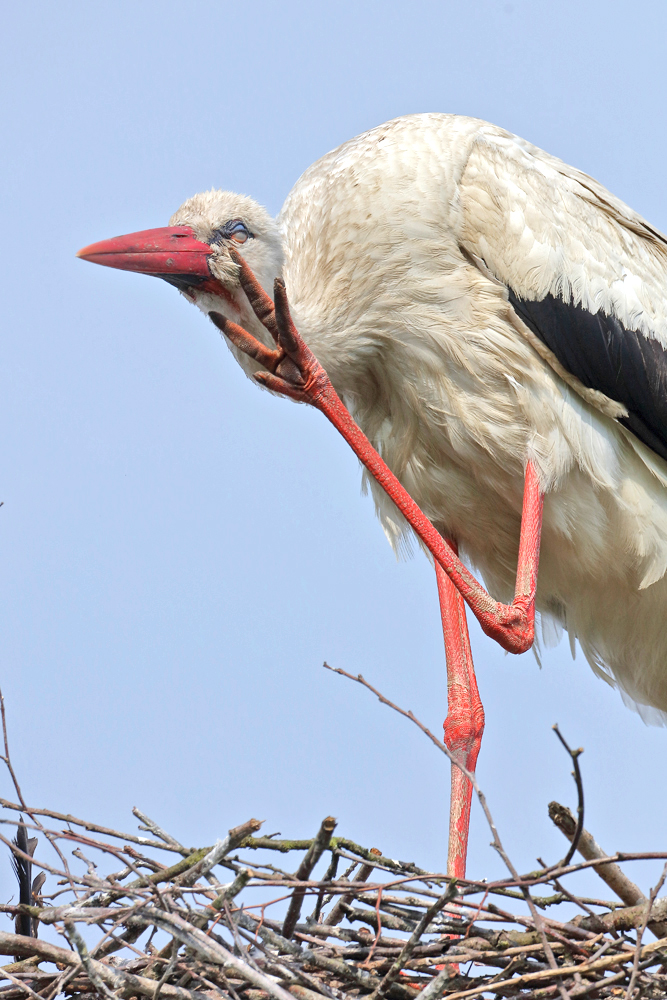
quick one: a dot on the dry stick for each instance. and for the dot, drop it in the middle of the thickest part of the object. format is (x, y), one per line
(237, 938)
(80, 945)
(230, 890)
(109, 943)
(171, 965)
(61, 981)
(539, 925)
(85, 880)
(115, 852)
(611, 980)
(568, 895)
(152, 827)
(313, 855)
(576, 774)
(235, 837)
(556, 929)
(329, 876)
(437, 986)
(175, 845)
(649, 903)
(413, 940)
(337, 912)
(378, 933)
(142, 881)
(497, 843)
(542, 877)
(610, 873)
(24, 986)
(303, 993)
(458, 951)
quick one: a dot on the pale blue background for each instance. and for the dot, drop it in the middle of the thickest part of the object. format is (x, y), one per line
(180, 551)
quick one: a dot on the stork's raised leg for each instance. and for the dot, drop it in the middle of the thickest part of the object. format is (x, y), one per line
(464, 724)
(294, 371)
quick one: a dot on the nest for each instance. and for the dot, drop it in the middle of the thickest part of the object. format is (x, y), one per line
(369, 926)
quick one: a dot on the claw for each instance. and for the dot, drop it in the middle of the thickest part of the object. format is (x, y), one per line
(288, 337)
(262, 306)
(246, 342)
(281, 386)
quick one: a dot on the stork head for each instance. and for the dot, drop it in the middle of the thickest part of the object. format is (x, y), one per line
(192, 252)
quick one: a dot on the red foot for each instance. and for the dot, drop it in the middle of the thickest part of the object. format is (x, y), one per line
(294, 371)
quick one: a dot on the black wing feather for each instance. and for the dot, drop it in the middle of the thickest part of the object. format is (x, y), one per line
(625, 365)
(23, 870)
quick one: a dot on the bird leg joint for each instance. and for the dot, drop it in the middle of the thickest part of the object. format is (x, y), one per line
(463, 730)
(511, 625)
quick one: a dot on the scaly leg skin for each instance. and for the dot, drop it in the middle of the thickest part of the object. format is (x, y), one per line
(294, 371)
(464, 724)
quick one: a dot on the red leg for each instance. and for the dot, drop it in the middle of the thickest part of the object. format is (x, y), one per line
(464, 724)
(293, 370)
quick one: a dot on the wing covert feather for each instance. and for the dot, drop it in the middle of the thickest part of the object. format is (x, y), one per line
(543, 227)
(584, 272)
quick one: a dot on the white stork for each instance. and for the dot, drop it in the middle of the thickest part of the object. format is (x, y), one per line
(496, 323)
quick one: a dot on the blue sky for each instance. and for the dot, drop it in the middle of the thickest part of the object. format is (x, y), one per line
(179, 552)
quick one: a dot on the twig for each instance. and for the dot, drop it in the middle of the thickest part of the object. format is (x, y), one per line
(305, 868)
(219, 850)
(23, 986)
(337, 911)
(152, 827)
(231, 890)
(329, 876)
(576, 774)
(87, 962)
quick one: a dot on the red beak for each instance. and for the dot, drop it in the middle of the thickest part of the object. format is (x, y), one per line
(173, 253)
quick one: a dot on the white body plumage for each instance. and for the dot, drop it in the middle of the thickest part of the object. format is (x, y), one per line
(399, 250)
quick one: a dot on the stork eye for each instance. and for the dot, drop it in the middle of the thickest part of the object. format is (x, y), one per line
(235, 230)
(239, 233)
